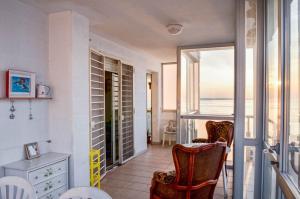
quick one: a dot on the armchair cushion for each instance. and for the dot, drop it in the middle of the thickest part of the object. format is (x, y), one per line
(163, 183)
(216, 130)
(164, 177)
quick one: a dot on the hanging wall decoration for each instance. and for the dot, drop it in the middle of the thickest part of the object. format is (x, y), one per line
(30, 111)
(12, 110)
(20, 84)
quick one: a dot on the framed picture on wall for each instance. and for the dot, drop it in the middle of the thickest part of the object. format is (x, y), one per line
(20, 84)
(32, 150)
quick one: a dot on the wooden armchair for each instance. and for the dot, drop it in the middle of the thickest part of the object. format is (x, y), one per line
(217, 131)
(197, 172)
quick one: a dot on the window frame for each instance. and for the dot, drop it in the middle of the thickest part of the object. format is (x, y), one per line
(284, 182)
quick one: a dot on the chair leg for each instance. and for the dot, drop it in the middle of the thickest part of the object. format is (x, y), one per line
(226, 169)
(170, 137)
(224, 181)
(163, 142)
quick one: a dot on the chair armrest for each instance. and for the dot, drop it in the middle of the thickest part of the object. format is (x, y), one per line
(164, 177)
(200, 140)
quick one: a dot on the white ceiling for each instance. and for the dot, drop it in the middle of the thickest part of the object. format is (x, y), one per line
(141, 24)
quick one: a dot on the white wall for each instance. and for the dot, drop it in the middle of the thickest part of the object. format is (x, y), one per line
(142, 63)
(24, 36)
(69, 77)
(24, 46)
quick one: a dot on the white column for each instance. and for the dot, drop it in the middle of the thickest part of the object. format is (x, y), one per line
(68, 74)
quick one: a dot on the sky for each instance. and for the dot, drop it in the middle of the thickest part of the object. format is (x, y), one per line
(217, 73)
(217, 67)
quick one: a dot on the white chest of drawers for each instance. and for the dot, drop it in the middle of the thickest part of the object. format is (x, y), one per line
(48, 174)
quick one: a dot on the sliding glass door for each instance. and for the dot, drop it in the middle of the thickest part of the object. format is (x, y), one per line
(282, 124)
(249, 100)
(273, 99)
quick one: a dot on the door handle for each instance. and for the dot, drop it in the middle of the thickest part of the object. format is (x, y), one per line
(272, 157)
(274, 163)
(276, 148)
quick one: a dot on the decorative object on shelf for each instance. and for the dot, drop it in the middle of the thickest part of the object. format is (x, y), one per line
(20, 84)
(32, 150)
(30, 110)
(12, 110)
(43, 91)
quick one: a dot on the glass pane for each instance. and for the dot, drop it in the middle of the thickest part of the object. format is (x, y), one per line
(189, 84)
(217, 81)
(272, 135)
(183, 85)
(294, 95)
(249, 171)
(169, 72)
(207, 81)
(251, 66)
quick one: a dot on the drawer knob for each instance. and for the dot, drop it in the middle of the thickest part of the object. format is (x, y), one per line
(50, 185)
(50, 171)
(49, 197)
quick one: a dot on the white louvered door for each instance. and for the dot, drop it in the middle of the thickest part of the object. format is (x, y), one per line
(97, 116)
(123, 145)
(126, 113)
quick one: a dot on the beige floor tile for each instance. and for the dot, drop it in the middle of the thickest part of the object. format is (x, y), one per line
(133, 179)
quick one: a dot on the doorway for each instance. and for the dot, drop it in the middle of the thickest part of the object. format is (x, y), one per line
(149, 107)
(111, 119)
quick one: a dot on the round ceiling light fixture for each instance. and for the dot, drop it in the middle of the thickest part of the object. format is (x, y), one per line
(175, 29)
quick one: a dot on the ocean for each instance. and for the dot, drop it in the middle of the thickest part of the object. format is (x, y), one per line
(226, 107)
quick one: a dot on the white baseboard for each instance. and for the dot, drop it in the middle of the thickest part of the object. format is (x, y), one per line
(140, 153)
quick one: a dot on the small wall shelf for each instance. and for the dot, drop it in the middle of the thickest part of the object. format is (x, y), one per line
(12, 109)
(18, 99)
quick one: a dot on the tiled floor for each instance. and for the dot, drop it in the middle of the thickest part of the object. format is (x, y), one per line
(133, 179)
